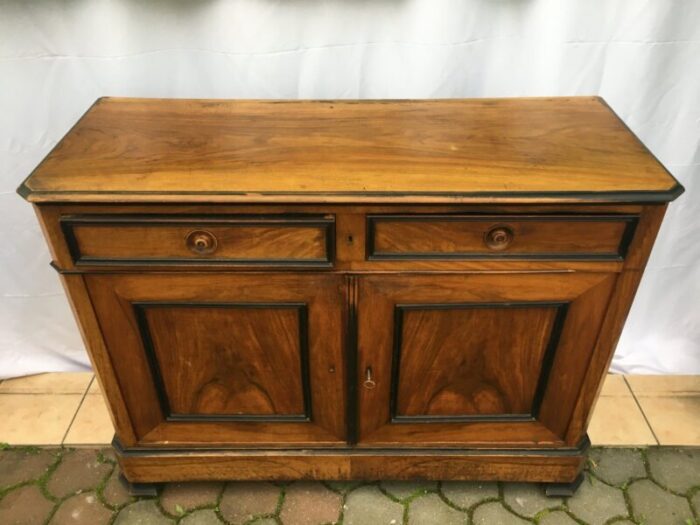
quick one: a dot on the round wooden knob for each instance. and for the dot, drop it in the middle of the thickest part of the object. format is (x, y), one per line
(498, 238)
(201, 242)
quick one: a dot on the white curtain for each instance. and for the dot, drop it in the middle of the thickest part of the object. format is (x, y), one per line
(56, 57)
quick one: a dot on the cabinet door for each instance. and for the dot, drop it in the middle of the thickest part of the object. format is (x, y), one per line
(484, 359)
(226, 359)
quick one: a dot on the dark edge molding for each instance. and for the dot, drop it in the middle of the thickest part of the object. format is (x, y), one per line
(545, 367)
(67, 223)
(548, 358)
(140, 308)
(306, 451)
(490, 197)
(626, 238)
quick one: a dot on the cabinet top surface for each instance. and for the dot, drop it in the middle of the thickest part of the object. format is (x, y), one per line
(474, 150)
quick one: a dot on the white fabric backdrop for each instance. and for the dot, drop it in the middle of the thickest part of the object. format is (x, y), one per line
(56, 57)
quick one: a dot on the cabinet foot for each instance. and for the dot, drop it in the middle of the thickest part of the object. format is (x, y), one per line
(565, 490)
(139, 489)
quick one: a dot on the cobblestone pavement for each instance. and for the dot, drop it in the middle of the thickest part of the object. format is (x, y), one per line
(81, 486)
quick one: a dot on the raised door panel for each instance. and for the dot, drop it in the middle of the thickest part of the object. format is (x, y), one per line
(228, 361)
(457, 354)
(232, 360)
(474, 359)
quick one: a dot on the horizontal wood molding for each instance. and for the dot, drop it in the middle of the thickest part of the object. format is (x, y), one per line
(352, 464)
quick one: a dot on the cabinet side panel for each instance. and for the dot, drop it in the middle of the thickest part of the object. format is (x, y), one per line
(99, 357)
(88, 324)
(619, 307)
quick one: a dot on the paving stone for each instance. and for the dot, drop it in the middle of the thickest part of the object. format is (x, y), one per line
(431, 510)
(178, 498)
(18, 466)
(108, 454)
(595, 502)
(24, 506)
(527, 499)
(652, 505)
(202, 517)
(617, 465)
(678, 470)
(464, 494)
(144, 512)
(82, 509)
(495, 514)
(368, 506)
(243, 501)
(264, 521)
(79, 470)
(115, 492)
(403, 489)
(695, 501)
(343, 486)
(556, 517)
(310, 503)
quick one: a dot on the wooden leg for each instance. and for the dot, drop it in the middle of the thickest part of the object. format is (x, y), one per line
(563, 490)
(139, 489)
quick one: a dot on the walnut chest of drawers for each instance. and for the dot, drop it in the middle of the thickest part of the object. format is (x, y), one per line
(350, 289)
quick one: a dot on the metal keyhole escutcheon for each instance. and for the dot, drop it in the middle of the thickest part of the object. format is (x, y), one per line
(369, 383)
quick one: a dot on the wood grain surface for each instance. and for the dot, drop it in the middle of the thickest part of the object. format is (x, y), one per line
(249, 345)
(104, 239)
(470, 361)
(229, 360)
(464, 236)
(328, 151)
(477, 387)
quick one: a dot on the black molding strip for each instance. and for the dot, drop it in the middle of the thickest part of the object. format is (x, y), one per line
(542, 381)
(564, 451)
(490, 197)
(325, 223)
(147, 342)
(626, 238)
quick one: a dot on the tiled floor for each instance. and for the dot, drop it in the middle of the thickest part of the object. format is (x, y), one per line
(68, 409)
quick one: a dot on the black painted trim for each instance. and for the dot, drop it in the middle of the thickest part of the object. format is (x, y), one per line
(490, 197)
(545, 367)
(327, 224)
(626, 238)
(140, 451)
(147, 342)
(548, 358)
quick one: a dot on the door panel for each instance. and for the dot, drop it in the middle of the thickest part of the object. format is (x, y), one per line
(232, 361)
(227, 359)
(473, 359)
(461, 376)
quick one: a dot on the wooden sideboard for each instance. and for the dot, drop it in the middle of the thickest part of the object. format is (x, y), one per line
(351, 289)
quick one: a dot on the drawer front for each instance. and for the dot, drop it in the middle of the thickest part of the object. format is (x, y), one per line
(600, 237)
(176, 239)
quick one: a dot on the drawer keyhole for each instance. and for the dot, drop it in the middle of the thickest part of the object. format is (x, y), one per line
(201, 242)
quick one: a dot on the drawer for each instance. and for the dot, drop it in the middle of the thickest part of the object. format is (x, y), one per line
(463, 236)
(297, 240)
